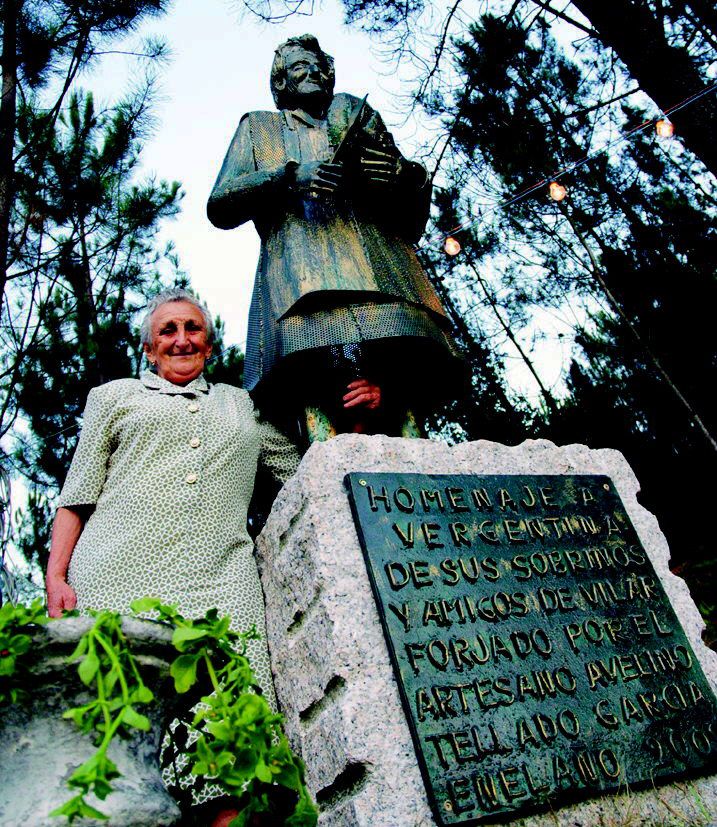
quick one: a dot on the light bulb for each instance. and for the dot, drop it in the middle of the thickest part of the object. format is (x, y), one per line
(664, 128)
(452, 247)
(557, 191)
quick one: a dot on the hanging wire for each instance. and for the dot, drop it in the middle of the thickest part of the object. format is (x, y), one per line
(554, 179)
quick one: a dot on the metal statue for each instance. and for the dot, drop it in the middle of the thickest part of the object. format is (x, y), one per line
(339, 294)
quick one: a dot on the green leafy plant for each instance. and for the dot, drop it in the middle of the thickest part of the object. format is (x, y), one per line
(105, 662)
(238, 746)
(15, 641)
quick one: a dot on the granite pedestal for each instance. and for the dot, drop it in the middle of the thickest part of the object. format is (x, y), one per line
(334, 679)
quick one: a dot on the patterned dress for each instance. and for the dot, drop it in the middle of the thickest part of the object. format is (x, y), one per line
(170, 471)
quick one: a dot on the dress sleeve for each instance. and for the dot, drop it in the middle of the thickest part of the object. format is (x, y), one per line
(278, 454)
(241, 189)
(88, 470)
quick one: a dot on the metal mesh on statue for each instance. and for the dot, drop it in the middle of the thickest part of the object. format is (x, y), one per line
(357, 323)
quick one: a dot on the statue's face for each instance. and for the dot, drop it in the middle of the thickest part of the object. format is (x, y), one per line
(305, 75)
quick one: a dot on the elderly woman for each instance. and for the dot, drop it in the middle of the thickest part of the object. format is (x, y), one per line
(155, 502)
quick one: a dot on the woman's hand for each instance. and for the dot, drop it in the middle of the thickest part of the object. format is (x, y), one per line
(60, 596)
(362, 393)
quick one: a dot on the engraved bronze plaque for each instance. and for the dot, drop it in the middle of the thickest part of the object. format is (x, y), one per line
(536, 652)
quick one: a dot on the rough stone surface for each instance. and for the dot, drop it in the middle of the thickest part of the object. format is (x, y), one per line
(39, 750)
(333, 675)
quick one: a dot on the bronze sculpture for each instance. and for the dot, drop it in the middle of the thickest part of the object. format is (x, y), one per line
(339, 293)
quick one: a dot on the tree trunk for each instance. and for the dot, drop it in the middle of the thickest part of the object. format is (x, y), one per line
(11, 9)
(666, 73)
(551, 404)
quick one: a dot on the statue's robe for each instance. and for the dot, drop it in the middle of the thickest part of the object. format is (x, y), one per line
(332, 271)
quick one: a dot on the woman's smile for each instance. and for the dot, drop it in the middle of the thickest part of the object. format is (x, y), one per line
(180, 344)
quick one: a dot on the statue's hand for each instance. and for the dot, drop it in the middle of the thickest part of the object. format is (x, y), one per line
(380, 170)
(318, 178)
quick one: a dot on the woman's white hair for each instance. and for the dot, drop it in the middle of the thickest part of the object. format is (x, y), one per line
(174, 294)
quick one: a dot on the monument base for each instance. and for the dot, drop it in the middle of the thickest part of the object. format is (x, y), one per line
(333, 675)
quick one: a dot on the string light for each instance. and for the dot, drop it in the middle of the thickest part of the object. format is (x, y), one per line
(452, 247)
(557, 191)
(663, 123)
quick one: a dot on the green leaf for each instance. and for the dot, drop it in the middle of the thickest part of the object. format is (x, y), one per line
(221, 730)
(77, 714)
(132, 718)
(88, 811)
(169, 612)
(144, 694)
(80, 649)
(7, 665)
(19, 644)
(186, 635)
(224, 759)
(85, 775)
(223, 626)
(111, 679)
(263, 773)
(184, 672)
(88, 668)
(289, 776)
(145, 604)
(77, 807)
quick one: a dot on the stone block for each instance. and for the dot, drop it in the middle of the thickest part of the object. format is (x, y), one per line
(333, 676)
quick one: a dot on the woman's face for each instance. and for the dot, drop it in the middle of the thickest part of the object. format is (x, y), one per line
(179, 342)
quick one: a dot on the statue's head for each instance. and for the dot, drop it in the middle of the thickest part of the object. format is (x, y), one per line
(302, 74)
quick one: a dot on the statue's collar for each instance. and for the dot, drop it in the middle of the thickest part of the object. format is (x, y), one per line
(304, 117)
(336, 118)
(156, 383)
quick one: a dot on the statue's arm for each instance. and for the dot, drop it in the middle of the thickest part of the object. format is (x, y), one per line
(419, 189)
(400, 182)
(241, 191)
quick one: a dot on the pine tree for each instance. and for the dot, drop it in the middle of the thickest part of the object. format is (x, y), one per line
(659, 60)
(94, 258)
(46, 43)
(89, 256)
(631, 250)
